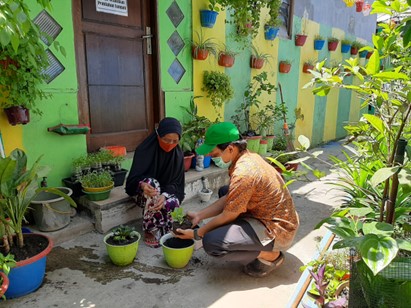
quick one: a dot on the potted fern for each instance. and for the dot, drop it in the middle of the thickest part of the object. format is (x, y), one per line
(258, 58)
(202, 47)
(226, 57)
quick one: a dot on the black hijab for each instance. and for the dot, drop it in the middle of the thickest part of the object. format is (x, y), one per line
(150, 161)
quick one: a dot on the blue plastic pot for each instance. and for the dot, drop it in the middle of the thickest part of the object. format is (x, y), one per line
(363, 54)
(208, 18)
(270, 33)
(319, 44)
(345, 48)
(28, 274)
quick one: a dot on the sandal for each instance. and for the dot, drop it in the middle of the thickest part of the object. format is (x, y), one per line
(261, 268)
(150, 240)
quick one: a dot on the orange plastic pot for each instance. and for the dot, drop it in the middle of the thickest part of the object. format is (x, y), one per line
(226, 60)
(307, 67)
(199, 54)
(284, 67)
(256, 63)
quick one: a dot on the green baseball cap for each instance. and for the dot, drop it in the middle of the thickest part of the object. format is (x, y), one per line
(218, 134)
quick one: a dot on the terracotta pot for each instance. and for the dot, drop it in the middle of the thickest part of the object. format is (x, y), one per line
(187, 161)
(307, 67)
(17, 115)
(332, 46)
(354, 50)
(199, 54)
(226, 60)
(300, 39)
(256, 63)
(284, 67)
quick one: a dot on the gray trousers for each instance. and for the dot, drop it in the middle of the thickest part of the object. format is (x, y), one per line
(236, 242)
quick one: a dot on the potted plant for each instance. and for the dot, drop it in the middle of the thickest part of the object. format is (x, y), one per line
(308, 65)
(355, 46)
(177, 252)
(6, 264)
(97, 185)
(284, 66)
(24, 59)
(345, 45)
(251, 102)
(122, 245)
(332, 43)
(318, 42)
(218, 87)
(375, 217)
(180, 220)
(209, 17)
(301, 38)
(359, 5)
(201, 47)
(272, 26)
(363, 51)
(258, 58)
(18, 188)
(226, 57)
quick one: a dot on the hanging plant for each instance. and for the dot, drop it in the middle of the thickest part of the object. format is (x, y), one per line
(218, 87)
(201, 47)
(332, 43)
(209, 17)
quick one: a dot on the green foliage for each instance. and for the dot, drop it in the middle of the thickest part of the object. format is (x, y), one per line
(18, 187)
(202, 43)
(259, 85)
(218, 87)
(332, 39)
(6, 263)
(318, 37)
(260, 55)
(346, 42)
(226, 51)
(122, 234)
(96, 179)
(213, 5)
(178, 215)
(356, 44)
(194, 127)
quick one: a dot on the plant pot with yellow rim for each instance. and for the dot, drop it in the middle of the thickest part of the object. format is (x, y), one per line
(97, 185)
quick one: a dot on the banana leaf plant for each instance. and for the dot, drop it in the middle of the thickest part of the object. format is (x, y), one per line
(19, 185)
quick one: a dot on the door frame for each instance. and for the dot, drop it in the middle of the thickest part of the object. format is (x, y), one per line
(155, 97)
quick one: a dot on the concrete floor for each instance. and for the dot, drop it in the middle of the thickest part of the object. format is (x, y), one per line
(79, 273)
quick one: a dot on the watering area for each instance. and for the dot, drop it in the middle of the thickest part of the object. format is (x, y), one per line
(80, 274)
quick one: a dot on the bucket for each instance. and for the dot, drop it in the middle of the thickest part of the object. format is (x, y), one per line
(50, 211)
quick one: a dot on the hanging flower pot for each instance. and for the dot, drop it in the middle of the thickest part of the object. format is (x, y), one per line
(359, 5)
(332, 45)
(363, 53)
(208, 18)
(17, 115)
(256, 63)
(345, 48)
(300, 39)
(319, 44)
(199, 54)
(307, 67)
(369, 54)
(284, 67)
(354, 50)
(270, 32)
(225, 59)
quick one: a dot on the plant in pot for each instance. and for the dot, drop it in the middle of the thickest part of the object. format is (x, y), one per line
(122, 245)
(345, 45)
(226, 57)
(251, 102)
(272, 26)
(308, 65)
(264, 120)
(332, 43)
(180, 220)
(218, 87)
(202, 47)
(18, 187)
(97, 185)
(209, 17)
(284, 66)
(375, 218)
(301, 37)
(355, 47)
(319, 42)
(258, 59)
(23, 59)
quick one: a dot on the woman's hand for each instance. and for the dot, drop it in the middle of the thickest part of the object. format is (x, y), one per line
(194, 218)
(186, 234)
(148, 190)
(158, 203)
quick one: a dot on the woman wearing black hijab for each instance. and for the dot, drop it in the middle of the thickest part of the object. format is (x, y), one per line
(156, 178)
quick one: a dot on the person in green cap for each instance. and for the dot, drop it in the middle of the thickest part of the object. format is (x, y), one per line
(256, 220)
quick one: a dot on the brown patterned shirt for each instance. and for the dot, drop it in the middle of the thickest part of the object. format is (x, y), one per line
(257, 191)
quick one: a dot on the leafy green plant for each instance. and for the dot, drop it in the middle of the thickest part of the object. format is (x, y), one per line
(96, 179)
(6, 263)
(357, 44)
(202, 43)
(332, 39)
(122, 234)
(18, 187)
(252, 99)
(318, 37)
(218, 87)
(213, 5)
(274, 13)
(260, 55)
(178, 215)
(346, 42)
(263, 120)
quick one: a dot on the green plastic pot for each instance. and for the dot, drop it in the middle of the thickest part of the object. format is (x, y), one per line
(253, 143)
(176, 257)
(122, 255)
(97, 196)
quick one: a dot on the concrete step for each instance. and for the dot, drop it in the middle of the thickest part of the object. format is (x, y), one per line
(121, 208)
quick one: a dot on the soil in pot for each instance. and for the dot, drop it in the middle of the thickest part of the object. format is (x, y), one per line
(33, 245)
(186, 224)
(127, 241)
(175, 242)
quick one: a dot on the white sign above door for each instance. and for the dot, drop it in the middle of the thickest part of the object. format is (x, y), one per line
(116, 7)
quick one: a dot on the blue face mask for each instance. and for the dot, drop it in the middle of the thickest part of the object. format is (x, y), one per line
(219, 162)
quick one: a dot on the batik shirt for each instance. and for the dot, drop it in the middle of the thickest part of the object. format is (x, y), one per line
(257, 191)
